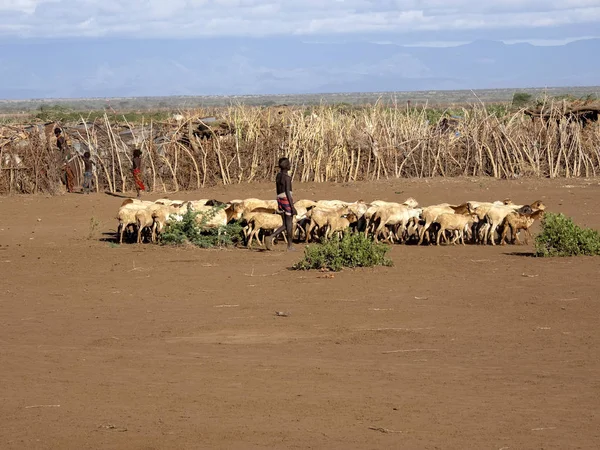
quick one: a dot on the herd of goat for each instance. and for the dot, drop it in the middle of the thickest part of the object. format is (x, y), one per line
(473, 221)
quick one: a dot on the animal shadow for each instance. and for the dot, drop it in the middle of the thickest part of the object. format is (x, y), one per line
(522, 254)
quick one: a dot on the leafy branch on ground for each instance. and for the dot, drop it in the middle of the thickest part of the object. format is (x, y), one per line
(560, 236)
(352, 250)
(193, 229)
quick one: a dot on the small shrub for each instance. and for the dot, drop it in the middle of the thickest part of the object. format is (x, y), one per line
(195, 232)
(353, 250)
(521, 99)
(560, 236)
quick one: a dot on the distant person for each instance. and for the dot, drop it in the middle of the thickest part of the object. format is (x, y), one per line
(443, 125)
(285, 204)
(87, 172)
(63, 148)
(137, 172)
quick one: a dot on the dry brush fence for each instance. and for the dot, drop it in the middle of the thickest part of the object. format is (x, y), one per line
(326, 144)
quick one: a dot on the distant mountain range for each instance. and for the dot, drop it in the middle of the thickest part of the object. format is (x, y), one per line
(228, 66)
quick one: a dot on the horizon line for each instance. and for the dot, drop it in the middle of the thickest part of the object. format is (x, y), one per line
(322, 94)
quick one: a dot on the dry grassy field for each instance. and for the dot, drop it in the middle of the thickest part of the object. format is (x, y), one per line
(149, 347)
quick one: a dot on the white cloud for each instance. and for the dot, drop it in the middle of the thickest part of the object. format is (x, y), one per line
(196, 18)
(548, 42)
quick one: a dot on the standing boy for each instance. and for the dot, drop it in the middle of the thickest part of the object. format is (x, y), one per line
(87, 173)
(285, 204)
(137, 172)
(67, 172)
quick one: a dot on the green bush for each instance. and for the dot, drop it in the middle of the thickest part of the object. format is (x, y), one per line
(521, 99)
(195, 232)
(353, 250)
(561, 237)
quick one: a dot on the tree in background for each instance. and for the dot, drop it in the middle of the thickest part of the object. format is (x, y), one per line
(521, 99)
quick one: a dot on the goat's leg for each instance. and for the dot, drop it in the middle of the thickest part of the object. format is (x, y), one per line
(400, 232)
(527, 236)
(513, 234)
(395, 230)
(311, 226)
(300, 230)
(430, 235)
(485, 232)
(381, 233)
(253, 233)
(482, 234)
(439, 235)
(390, 234)
(305, 228)
(153, 235)
(412, 228)
(495, 231)
(378, 231)
(469, 232)
(455, 237)
(296, 232)
(445, 239)
(423, 231)
(516, 235)
(367, 227)
(491, 233)
(475, 233)
(517, 240)
(504, 237)
(309, 231)
(372, 228)
(302, 227)
(452, 239)
(249, 231)
(392, 237)
(260, 237)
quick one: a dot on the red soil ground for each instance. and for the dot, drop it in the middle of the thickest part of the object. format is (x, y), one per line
(145, 347)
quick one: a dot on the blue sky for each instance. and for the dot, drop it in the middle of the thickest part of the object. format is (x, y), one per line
(75, 48)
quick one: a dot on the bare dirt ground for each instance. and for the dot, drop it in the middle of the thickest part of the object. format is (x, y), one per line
(144, 347)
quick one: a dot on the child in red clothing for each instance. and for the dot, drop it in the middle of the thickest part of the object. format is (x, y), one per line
(137, 172)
